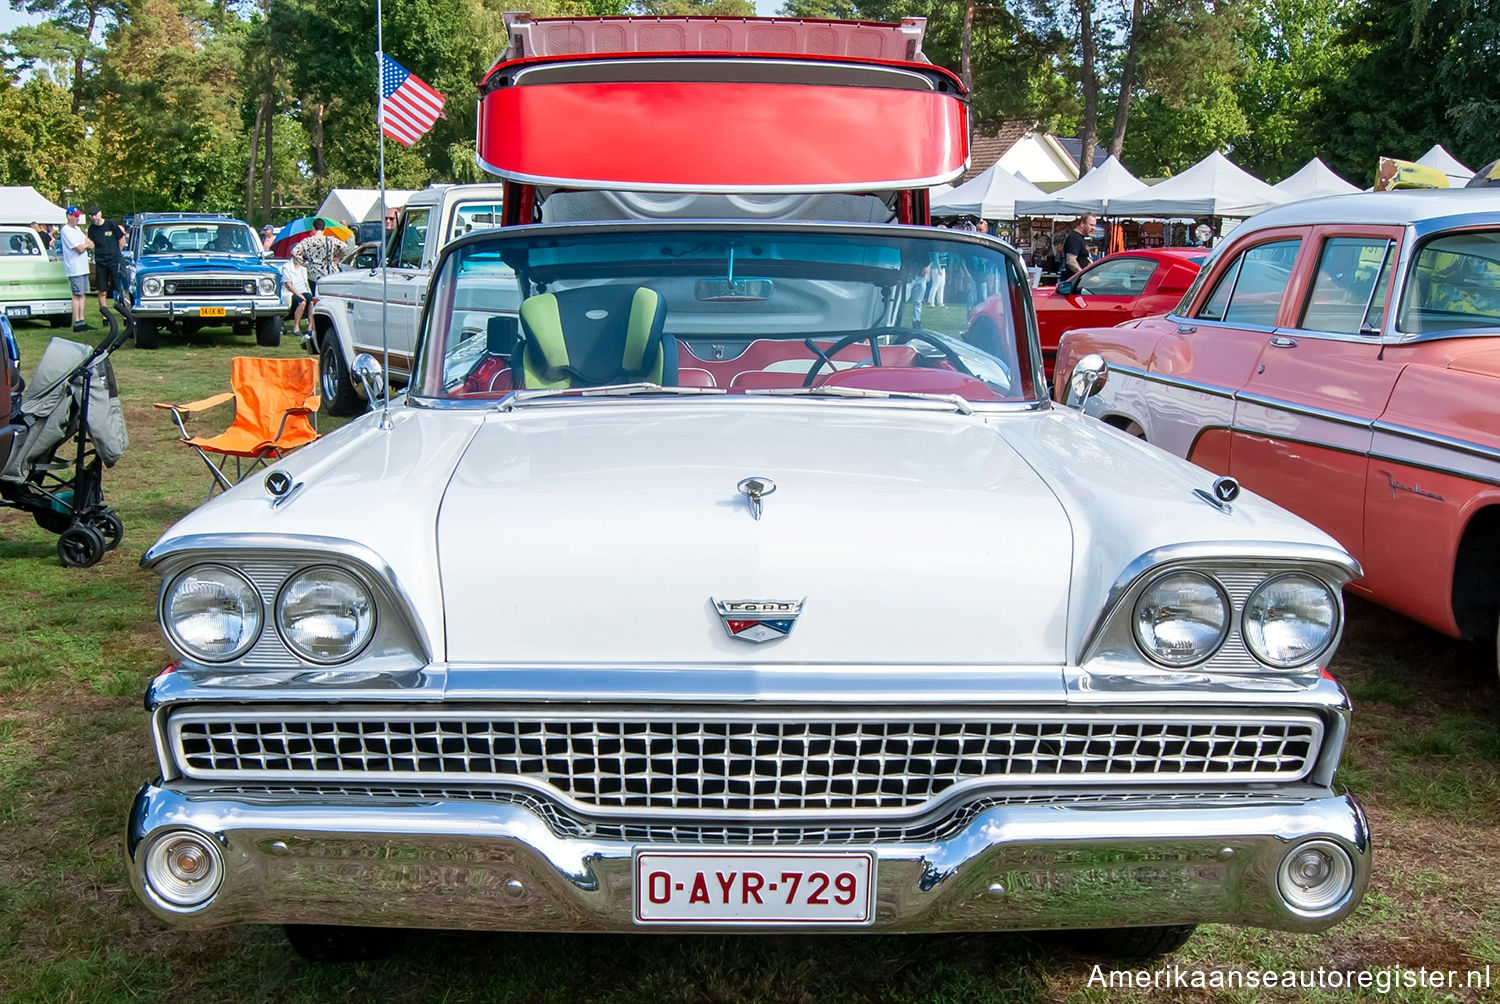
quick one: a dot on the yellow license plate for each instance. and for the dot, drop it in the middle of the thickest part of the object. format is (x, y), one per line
(210, 311)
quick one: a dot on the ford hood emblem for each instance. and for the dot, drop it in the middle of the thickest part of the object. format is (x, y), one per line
(758, 620)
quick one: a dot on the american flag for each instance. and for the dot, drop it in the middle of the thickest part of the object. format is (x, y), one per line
(408, 107)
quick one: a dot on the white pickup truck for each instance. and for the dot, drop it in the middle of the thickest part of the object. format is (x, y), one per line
(347, 315)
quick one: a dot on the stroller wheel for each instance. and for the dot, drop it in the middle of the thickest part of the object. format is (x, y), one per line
(110, 528)
(80, 546)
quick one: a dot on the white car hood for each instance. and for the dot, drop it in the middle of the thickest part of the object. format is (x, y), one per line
(603, 533)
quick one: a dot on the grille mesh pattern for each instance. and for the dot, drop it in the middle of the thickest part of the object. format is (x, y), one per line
(736, 765)
(209, 287)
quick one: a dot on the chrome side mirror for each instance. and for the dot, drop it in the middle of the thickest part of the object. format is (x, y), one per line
(371, 377)
(1087, 379)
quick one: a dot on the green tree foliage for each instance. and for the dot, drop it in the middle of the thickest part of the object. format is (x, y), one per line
(42, 143)
(1191, 64)
(1291, 53)
(167, 120)
(1417, 74)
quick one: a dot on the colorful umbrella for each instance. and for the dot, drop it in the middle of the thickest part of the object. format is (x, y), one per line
(297, 230)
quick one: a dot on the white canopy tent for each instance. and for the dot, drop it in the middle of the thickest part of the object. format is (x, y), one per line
(21, 204)
(991, 195)
(1458, 175)
(1212, 187)
(360, 204)
(1092, 193)
(1314, 180)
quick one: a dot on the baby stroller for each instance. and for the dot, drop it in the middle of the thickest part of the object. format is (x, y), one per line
(72, 398)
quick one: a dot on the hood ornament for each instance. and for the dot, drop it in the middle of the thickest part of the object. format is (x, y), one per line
(758, 620)
(755, 489)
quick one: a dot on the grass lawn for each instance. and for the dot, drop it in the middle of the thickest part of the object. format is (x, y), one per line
(78, 645)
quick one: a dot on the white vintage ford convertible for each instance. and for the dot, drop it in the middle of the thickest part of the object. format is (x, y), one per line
(706, 578)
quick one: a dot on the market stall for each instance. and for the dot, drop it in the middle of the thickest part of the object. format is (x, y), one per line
(1313, 181)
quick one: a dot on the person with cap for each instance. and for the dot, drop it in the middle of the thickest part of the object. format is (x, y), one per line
(75, 254)
(267, 236)
(108, 238)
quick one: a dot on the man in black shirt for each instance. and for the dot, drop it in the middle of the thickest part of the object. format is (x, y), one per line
(108, 237)
(1075, 246)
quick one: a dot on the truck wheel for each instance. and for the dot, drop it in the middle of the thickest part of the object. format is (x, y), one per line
(339, 395)
(145, 333)
(268, 331)
(1136, 943)
(326, 943)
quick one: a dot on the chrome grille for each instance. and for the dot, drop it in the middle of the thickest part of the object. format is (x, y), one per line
(739, 763)
(206, 286)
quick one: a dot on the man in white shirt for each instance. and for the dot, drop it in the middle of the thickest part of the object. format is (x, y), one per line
(75, 255)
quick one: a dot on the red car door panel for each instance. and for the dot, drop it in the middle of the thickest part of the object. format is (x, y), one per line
(1304, 420)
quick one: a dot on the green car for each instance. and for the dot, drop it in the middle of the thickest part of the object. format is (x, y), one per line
(31, 284)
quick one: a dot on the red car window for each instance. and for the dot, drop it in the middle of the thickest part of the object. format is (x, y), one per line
(1251, 289)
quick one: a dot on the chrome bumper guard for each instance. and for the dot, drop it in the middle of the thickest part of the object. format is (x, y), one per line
(444, 863)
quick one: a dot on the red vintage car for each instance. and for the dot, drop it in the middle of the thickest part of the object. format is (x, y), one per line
(1118, 288)
(1342, 358)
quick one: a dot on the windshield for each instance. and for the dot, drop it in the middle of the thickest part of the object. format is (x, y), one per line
(174, 238)
(733, 310)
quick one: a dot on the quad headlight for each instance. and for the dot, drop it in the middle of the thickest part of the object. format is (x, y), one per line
(1290, 620)
(1181, 619)
(212, 613)
(266, 284)
(151, 286)
(325, 614)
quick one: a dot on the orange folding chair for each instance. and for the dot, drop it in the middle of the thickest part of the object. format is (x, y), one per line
(275, 411)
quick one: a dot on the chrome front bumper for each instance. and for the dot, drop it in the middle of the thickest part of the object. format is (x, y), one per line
(174, 310)
(499, 866)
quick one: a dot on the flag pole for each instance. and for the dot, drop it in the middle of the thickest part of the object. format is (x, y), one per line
(385, 278)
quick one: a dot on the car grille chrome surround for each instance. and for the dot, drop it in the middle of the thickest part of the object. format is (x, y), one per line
(209, 286)
(706, 764)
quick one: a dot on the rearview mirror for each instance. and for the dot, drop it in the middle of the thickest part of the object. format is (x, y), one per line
(1067, 287)
(732, 290)
(371, 377)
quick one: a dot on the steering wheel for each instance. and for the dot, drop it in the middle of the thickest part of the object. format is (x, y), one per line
(825, 358)
(905, 336)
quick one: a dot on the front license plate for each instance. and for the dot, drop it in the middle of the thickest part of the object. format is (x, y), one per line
(18, 310)
(210, 311)
(690, 887)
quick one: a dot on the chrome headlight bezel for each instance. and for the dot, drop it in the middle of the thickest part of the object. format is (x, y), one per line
(1248, 634)
(1202, 655)
(361, 638)
(151, 286)
(254, 605)
(266, 284)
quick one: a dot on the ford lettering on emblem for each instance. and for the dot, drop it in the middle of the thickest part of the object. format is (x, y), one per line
(758, 620)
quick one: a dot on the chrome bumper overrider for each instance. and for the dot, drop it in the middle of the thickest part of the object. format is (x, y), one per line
(299, 858)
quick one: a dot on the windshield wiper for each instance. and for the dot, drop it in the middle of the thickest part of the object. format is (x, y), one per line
(520, 397)
(961, 404)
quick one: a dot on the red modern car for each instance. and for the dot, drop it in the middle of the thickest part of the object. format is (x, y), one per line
(1120, 287)
(1342, 358)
